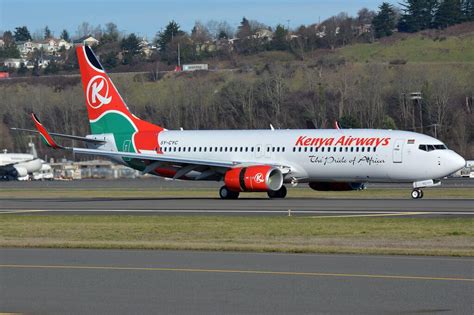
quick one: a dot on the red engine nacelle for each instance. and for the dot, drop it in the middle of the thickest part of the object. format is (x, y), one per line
(254, 178)
(330, 186)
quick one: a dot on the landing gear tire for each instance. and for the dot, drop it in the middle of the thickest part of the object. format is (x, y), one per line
(279, 194)
(225, 193)
(417, 194)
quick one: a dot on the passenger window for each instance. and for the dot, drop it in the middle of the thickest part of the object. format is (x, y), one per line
(305, 149)
(236, 149)
(294, 149)
(340, 149)
(273, 149)
(251, 149)
(375, 149)
(317, 149)
(258, 149)
(362, 149)
(347, 149)
(220, 149)
(368, 149)
(357, 149)
(194, 149)
(230, 149)
(299, 149)
(352, 149)
(322, 149)
(278, 149)
(241, 149)
(174, 149)
(246, 149)
(283, 149)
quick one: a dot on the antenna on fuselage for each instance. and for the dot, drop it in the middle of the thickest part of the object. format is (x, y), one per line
(271, 127)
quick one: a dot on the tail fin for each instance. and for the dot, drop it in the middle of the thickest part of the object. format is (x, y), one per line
(108, 113)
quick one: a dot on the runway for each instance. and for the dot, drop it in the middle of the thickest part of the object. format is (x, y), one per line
(207, 206)
(60, 281)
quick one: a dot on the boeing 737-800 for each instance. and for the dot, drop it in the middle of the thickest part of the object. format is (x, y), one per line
(253, 160)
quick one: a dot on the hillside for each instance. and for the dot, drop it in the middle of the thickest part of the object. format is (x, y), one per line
(455, 44)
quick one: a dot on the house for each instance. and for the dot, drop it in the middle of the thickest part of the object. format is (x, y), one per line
(2, 43)
(14, 62)
(65, 44)
(49, 45)
(86, 40)
(264, 34)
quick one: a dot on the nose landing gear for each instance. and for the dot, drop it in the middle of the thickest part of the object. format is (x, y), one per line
(417, 193)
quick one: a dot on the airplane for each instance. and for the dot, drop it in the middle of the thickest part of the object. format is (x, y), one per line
(18, 166)
(253, 160)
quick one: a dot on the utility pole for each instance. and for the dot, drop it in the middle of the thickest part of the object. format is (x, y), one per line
(417, 100)
(179, 57)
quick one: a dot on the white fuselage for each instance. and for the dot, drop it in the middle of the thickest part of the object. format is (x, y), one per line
(352, 155)
(19, 164)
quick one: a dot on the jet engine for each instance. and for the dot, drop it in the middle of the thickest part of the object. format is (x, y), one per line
(254, 178)
(19, 171)
(334, 186)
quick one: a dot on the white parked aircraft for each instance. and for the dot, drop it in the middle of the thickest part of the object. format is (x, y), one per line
(254, 160)
(19, 165)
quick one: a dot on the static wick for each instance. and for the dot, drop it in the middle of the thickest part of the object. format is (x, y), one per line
(289, 212)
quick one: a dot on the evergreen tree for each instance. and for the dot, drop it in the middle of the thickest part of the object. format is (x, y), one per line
(47, 32)
(171, 31)
(280, 41)
(131, 44)
(22, 34)
(418, 15)
(384, 21)
(449, 13)
(65, 35)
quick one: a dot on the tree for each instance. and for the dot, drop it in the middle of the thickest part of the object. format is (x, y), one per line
(280, 41)
(22, 34)
(365, 16)
(244, 29)
(384, 21)
(22, 70)
(9, 50)
(51, 68)
(47, 32)
(200, 33)
(65, 35)
(110, 34)
(165, 37)
(418, 15)
(449, 13)
(131, 47)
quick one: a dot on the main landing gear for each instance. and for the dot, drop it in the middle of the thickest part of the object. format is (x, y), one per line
(417, 193)
(225, 193)
(279, 194)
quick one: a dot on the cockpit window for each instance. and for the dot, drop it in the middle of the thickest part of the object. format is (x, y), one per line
(432, 147)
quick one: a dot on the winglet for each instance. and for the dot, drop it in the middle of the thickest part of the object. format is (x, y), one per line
(47, 139)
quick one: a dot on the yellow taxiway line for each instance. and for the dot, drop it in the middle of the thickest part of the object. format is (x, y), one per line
(233, 271)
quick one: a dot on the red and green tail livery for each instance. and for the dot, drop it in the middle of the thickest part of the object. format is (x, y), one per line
(108, 113)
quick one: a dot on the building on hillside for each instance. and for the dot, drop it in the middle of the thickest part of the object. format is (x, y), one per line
(264, 34)
(2, 43)
(14, 62)
(88, 40)
(62, 43)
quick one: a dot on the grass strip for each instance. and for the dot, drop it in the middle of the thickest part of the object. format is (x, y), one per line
(376, 193)
(394, 235)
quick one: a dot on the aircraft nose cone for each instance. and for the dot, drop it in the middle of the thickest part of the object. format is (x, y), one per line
(458, 161)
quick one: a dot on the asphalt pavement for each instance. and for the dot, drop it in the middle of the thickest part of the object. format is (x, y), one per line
(62, 281)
